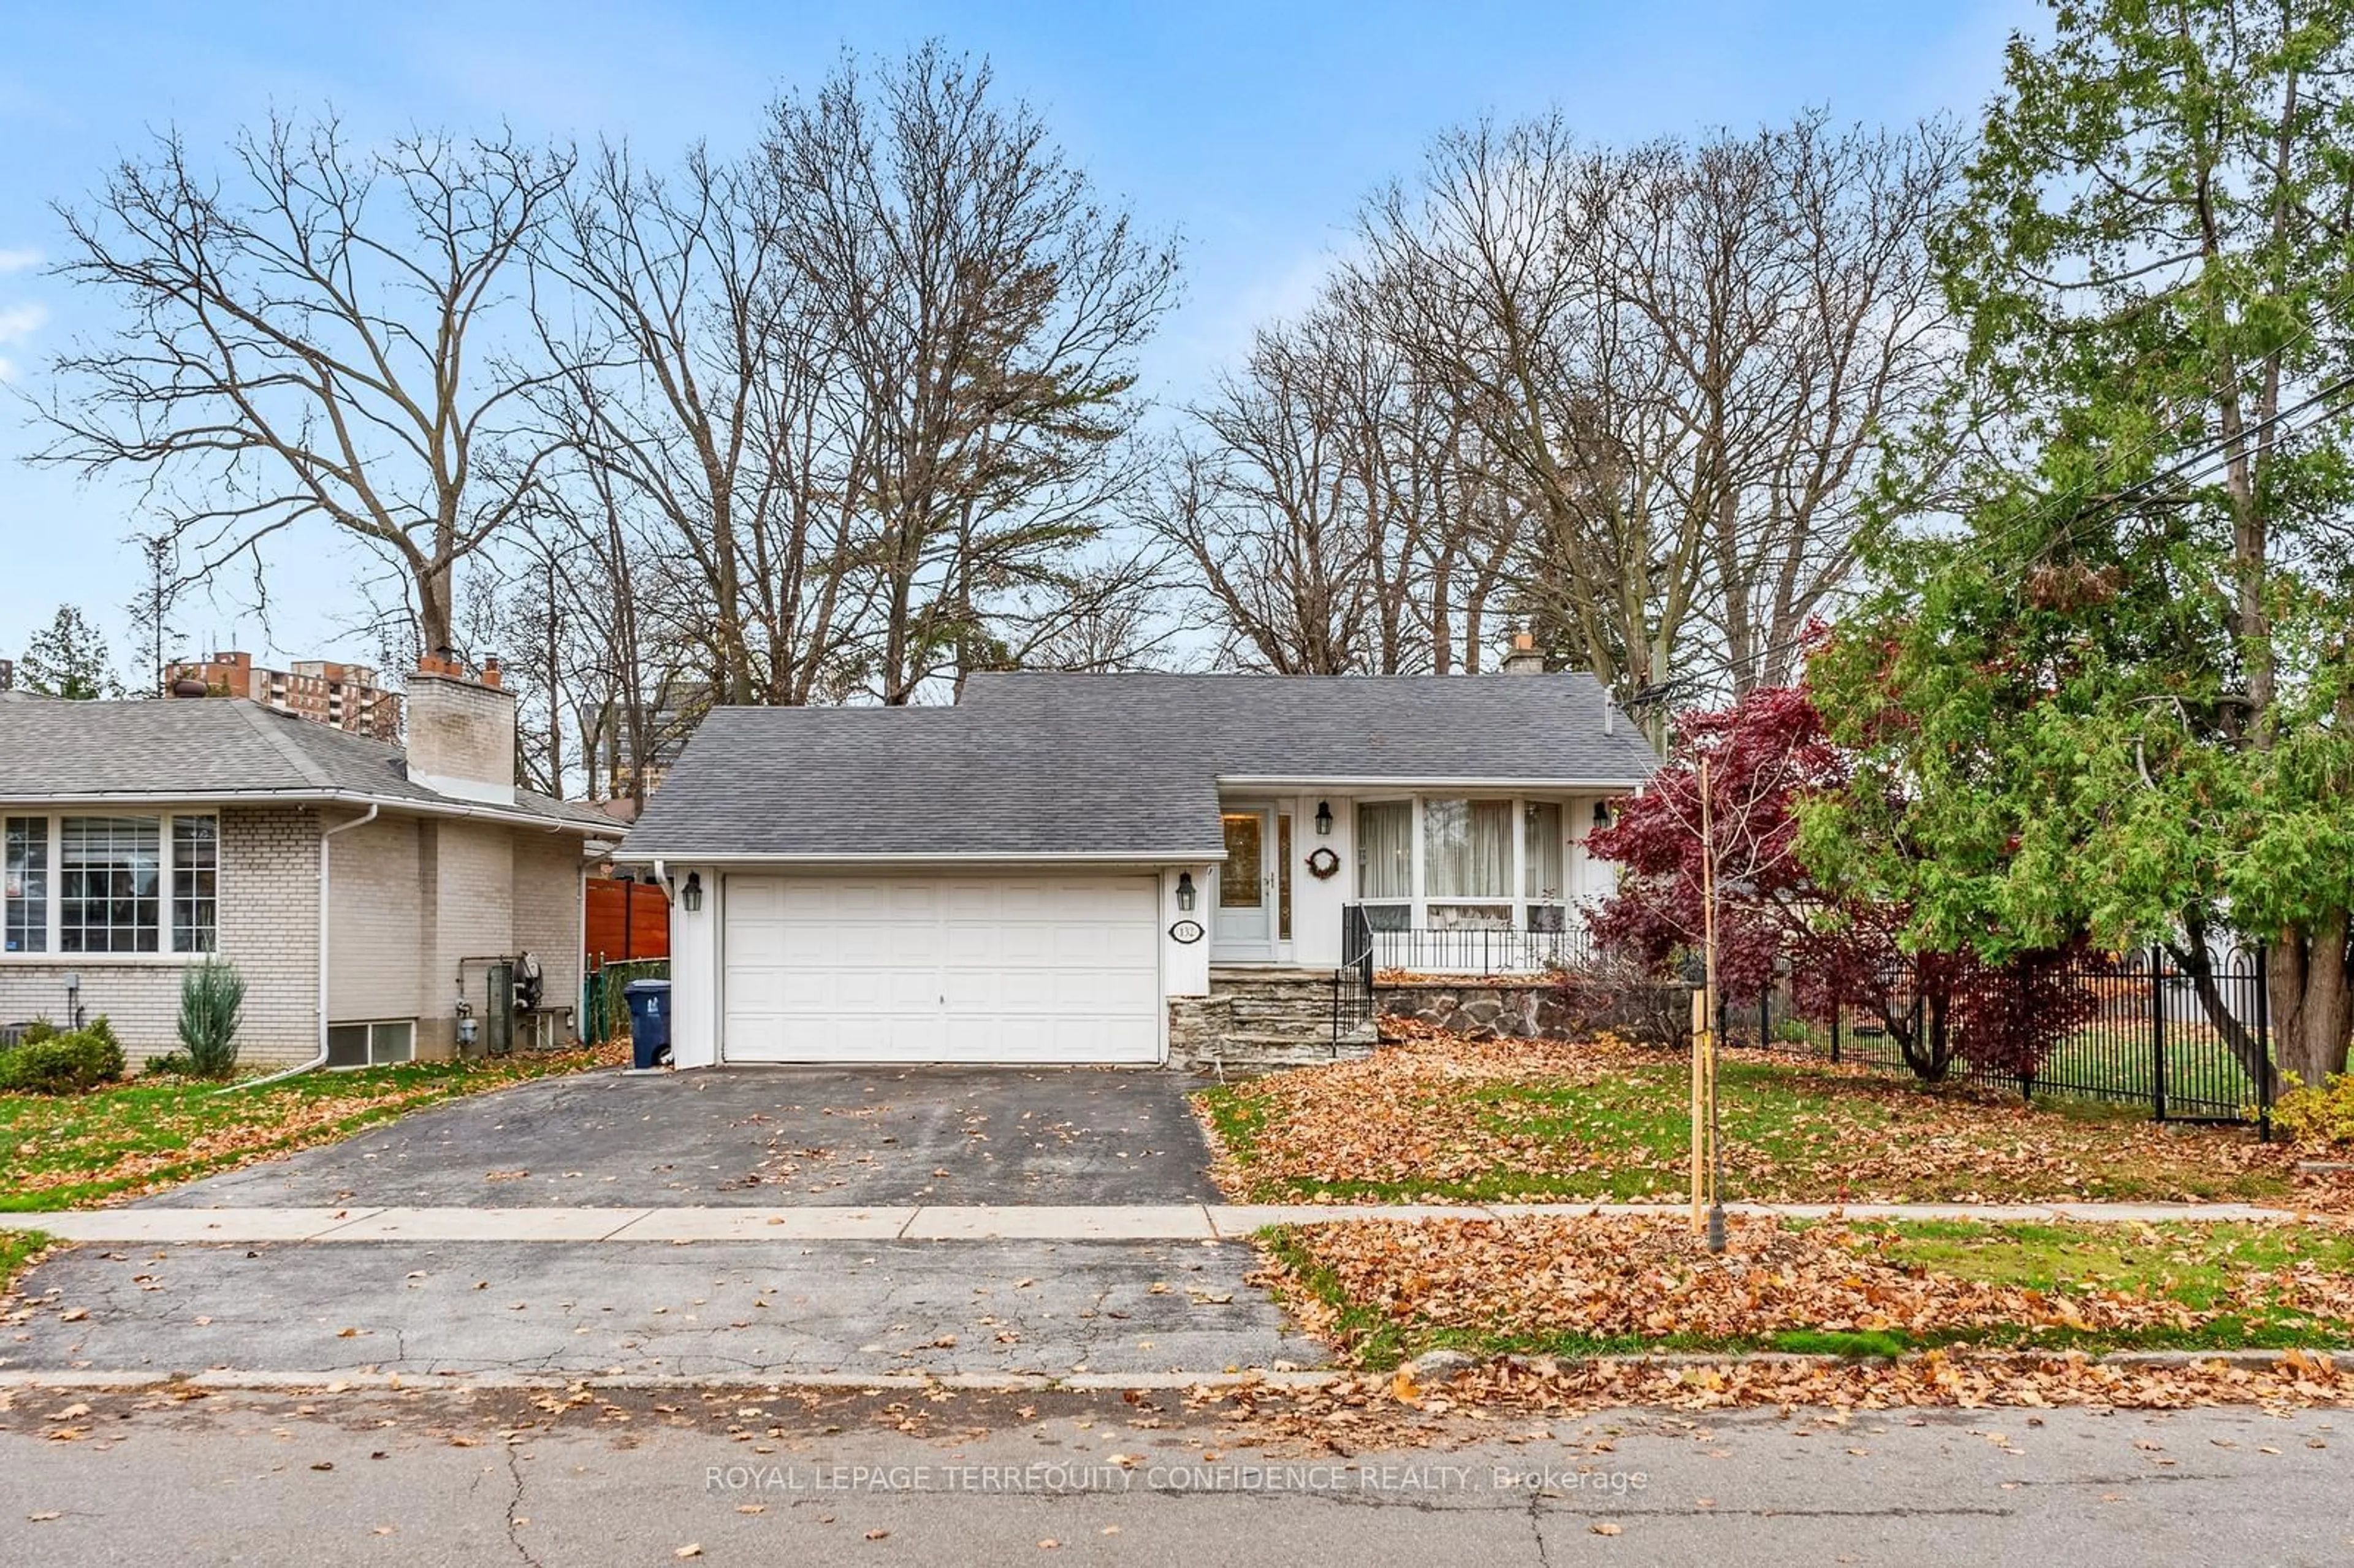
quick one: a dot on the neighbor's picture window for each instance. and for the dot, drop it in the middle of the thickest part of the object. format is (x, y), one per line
(196, 866)
(110, 885)
(25, 893)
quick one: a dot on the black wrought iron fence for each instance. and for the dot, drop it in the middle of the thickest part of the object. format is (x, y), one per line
(2192, 1041)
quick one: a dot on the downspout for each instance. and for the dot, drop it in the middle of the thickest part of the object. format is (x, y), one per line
(325, 853)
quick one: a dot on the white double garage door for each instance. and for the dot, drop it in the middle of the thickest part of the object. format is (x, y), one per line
(941, 969)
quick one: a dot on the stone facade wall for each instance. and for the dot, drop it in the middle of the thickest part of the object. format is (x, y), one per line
(1197, 1027)
(1498, 1010)
(268, 924)
(1538, 1010)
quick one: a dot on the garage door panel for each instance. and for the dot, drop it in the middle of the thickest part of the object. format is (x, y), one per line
(1012, 969)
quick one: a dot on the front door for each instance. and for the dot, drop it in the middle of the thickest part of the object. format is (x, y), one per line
(1245, 925)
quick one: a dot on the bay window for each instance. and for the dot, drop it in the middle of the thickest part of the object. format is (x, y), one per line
(1544, 884)
(1386, 863)
(110, 885)
(1463, 864)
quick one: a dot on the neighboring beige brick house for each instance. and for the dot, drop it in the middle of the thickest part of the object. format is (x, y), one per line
(135, 836)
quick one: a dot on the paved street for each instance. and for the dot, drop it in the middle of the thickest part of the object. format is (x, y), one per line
(437, 1478)
(764, 1137)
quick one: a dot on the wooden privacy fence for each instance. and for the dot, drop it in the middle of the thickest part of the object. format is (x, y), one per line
(627, 921)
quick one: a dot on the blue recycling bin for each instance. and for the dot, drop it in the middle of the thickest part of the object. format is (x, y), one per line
(649, 1002)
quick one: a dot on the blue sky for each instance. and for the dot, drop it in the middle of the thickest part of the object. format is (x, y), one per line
(1251, 129)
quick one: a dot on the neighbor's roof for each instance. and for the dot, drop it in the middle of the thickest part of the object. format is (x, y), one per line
(220, 748)
(1109, 767)
(867, 783)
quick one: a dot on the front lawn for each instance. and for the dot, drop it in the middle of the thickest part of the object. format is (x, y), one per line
(1444, 1119)
(1383, 1291)
(65, 1152)
(18, 1249)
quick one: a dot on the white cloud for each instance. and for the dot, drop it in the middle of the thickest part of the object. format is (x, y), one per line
(18, 260)
(17, 323)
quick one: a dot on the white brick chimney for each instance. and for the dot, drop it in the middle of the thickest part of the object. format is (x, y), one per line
(461, 731)
(1524, 659)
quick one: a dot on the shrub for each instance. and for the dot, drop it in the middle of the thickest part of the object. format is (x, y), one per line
(211, 995)
(2319, 1115)
(40, 1029)
(63, 1064)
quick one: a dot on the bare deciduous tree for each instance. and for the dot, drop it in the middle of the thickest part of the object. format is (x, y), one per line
(316, 335)
(1327, 511)
(982, 309)
(1683, 362)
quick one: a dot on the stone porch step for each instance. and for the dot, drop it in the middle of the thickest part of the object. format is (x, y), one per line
(1270, 974)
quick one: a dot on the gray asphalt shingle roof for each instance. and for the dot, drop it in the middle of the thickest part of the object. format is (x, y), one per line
(215, 747)
(1113, 766)
(1409, 727)
(860, 782)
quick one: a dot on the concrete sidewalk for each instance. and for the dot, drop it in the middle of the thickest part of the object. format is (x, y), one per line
(1138, 1222)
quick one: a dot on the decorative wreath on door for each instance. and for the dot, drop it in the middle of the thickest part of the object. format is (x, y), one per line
(1323, 864)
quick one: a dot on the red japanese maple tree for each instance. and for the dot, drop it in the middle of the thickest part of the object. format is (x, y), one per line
(1765, 755)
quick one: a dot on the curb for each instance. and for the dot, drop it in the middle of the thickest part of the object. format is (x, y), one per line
(1434, 1366)
(561, 1225)
(229, 1379)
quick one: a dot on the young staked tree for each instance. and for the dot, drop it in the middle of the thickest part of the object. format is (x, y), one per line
(68, 658)
(2122, 702)
(316, 331)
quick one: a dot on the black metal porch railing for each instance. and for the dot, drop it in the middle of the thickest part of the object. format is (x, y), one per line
(1352, 982)
(1477, 949)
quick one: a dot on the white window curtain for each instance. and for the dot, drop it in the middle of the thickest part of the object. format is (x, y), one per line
(1467, 849)
(1545, 884)
(1386, 850)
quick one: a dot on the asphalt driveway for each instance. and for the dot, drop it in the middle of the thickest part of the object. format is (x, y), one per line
(765, 1137)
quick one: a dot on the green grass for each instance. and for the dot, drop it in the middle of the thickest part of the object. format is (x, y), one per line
(66, 1151)
(2187, 1264)
(2111, 1058)
(1788, 1132)
(18, 1249)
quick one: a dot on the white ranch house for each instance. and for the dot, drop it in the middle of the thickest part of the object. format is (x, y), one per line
(1119, 868)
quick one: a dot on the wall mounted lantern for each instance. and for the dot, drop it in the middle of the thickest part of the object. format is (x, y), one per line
(692, 897)
(1601, 813)
(1185, 891)
(1323, 819)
